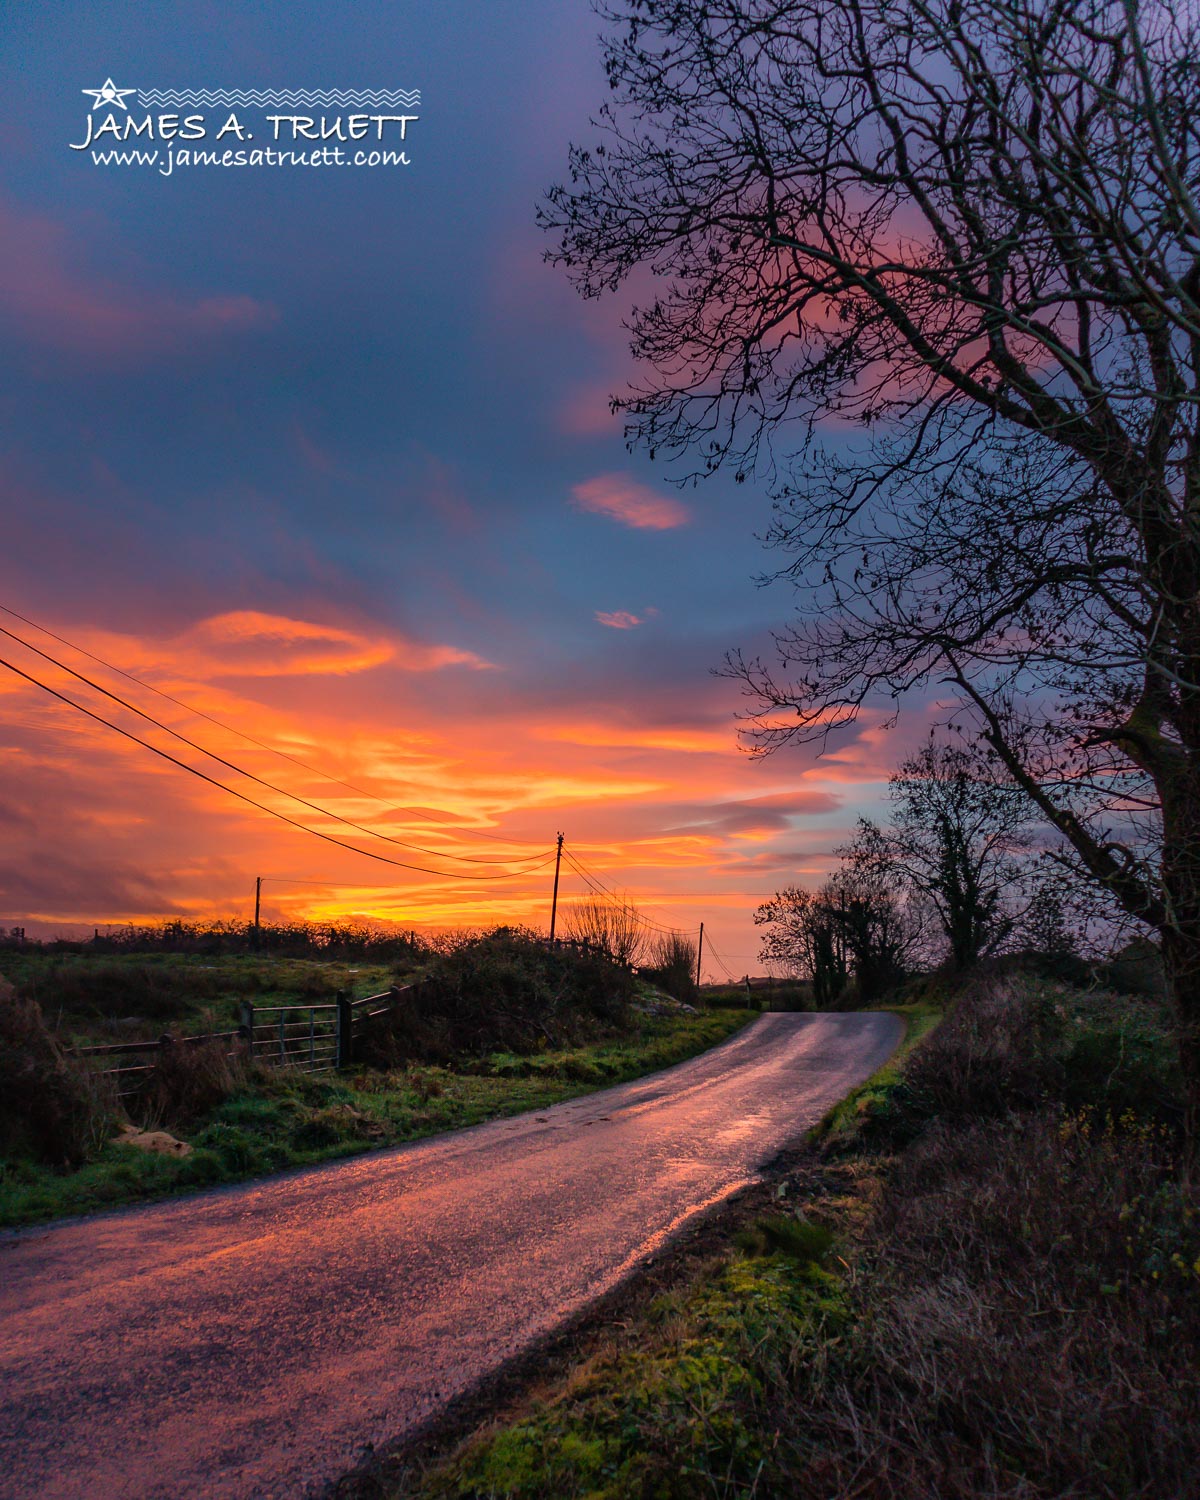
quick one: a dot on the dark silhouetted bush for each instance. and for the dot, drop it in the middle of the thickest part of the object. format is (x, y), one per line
(50, 1108)
(503, 991)
(672, 966)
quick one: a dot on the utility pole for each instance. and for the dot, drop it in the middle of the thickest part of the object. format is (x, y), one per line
(257, 901)
(554, 901)
(699, 954)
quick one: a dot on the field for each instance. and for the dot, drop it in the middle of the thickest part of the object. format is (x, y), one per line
(138, 996)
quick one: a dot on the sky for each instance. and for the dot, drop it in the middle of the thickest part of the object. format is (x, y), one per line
(326, 455)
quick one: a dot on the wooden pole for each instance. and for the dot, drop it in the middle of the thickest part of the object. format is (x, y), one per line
(257, 901)
(554, 898)
(699, 954)
(246, 1028)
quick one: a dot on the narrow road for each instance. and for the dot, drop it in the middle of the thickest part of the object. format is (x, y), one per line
(251, 1341)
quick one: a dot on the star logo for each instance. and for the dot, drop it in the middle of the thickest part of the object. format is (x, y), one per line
(108, 93)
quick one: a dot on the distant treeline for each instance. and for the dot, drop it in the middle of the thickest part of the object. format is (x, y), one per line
(331, 940)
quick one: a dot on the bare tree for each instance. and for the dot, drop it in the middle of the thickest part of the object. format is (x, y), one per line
(612, 927)
(858, 924)
(960, 837)
(868, 902)
(971, 228)
(671, 964)
(803, 940)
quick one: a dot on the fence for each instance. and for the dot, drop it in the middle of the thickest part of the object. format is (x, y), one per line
(312, 1038)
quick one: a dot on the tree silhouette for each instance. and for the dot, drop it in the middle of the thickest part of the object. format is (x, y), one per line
(957, 837)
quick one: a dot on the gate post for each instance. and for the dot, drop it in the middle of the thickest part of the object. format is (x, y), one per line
(246, 1028)
(345, 1031)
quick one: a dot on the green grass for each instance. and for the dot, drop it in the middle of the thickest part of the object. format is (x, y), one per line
(674, 1416)
(290, 1119)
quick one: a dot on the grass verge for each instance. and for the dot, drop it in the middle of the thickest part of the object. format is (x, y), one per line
(873, 1097)
(281, 1119)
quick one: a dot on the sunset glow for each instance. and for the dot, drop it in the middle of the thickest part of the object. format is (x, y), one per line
(346, 484)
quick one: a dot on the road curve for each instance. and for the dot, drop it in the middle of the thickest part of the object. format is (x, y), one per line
(250, 1341)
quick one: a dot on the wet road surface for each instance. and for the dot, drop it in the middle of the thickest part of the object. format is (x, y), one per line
(250, 1341)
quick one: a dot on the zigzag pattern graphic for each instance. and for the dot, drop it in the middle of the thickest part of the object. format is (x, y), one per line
(264, 98)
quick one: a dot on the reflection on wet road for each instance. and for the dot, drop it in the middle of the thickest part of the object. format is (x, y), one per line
(251, 1341)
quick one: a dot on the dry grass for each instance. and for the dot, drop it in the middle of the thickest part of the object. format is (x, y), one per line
(1028, 1311)
(189, 1081)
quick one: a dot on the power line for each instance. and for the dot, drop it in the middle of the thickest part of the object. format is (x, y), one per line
(597, 886)
(328, 838)
(716, 953)
(600, 889)
(240, 733)
(649, 921)
(259, 780)
(595, 882)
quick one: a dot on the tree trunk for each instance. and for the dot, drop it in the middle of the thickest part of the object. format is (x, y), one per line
(1181, 960)
(1181, 932)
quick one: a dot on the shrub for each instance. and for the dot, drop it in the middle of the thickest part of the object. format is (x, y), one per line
(50, 1108)
(326, 940)
(504, 991)
(1121, 1056)
(672, 966)
(1028, 1313)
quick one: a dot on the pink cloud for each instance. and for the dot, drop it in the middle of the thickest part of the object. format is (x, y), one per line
(621, 619)
(45, 293)
(625, 499)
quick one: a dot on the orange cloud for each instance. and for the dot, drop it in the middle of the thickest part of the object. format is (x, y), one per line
(619, 619)
(720, 741)
(625, 499)
(665, 807)
(251, 643)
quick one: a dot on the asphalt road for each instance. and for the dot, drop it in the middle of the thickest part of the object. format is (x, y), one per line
(251, 1341)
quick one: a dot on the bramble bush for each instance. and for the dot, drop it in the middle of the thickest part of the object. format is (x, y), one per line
(501, 991)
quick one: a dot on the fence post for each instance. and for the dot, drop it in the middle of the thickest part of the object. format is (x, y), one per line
(282, 1053)
(246, 1028)
(345, 1030)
